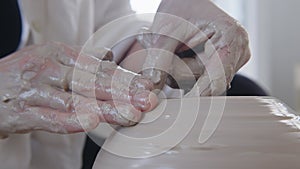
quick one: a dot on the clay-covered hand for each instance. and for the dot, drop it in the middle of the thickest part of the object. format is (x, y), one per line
(49, 87)
(220, 42)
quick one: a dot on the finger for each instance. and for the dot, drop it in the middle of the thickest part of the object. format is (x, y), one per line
(103, 54)
(208, 86)
(89, 60)
(109, 84)
(244, 58)
(119, 113)
(232, 47)
(168, 32)
(159, 56)
(242, 42)
(42, 118)
(123, 114)
(47, 96)
(214, 80)
(121, 86)
(217, 63)
(94, 65)
(150, 70)
(46, 119)
(195, 42)
(187, 69)
(145, 100)
(83, 58)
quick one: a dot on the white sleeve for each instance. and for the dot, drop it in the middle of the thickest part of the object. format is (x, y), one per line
(70, 22)
(15, 152)
(108, 10)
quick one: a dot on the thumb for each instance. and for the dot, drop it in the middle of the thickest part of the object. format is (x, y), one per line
(159, 56)
(166, 34)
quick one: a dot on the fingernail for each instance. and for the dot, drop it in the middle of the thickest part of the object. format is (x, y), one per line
(153, 101)
(145, 100)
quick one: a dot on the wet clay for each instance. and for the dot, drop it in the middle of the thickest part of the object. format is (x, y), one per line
(253, 132)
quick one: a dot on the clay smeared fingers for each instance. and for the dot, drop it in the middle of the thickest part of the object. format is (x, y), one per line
(145, 100)
(51, 120)
(216, 76)
(50, 97)
(159, 55)
(142, 100)
(43, 118)
(84, 75)
(86, 116)
(187, 69)
(120, 86)
(115, 112)
(90, 60)
(47, 96)
(119, 113)
(79, 60)
(110, 84)
(242, 42)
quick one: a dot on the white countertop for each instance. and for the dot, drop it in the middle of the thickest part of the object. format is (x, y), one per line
(218, 133)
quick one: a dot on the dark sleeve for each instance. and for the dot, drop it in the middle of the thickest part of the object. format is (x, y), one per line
(243, 86)
(11, 27)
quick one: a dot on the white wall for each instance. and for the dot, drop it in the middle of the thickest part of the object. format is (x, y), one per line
(278, 41)
(145, 6)
(274, 30)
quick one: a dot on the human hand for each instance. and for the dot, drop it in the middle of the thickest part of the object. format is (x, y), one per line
(221, 45)
(48, 87)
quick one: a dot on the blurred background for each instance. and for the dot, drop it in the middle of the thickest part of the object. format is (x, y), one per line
(274, 31)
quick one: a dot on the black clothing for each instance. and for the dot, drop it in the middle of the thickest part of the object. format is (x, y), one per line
(11, 27)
